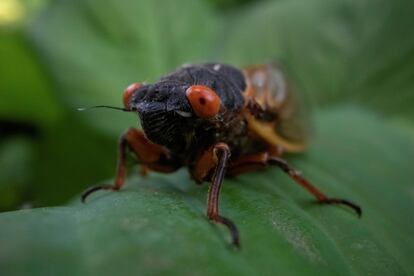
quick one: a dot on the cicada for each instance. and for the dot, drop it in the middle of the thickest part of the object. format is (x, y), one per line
(217, 121)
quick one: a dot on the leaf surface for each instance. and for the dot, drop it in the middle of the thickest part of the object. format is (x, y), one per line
(157, 225)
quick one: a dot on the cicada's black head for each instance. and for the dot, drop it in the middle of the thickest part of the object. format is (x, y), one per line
(164, 112)
(185, 106)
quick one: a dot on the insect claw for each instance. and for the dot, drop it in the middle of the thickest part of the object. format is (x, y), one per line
(345, 202)
(236, 244)
(235, 237)
(93, 189)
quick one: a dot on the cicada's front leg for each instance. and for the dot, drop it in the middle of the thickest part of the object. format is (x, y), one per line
(215, 161)
(150, 155)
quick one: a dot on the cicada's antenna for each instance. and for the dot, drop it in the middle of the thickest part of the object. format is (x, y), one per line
(104, 106)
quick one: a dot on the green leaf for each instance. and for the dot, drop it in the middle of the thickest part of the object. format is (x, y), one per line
(337, 51)
(25, 90)
(107, 45)
(16, 154)
(156, 225)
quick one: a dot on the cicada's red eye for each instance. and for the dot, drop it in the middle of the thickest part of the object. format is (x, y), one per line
(128, 93)
(203, 100)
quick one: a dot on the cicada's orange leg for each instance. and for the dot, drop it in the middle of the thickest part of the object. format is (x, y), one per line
(254, 161)
(215, 159)
(151, 156)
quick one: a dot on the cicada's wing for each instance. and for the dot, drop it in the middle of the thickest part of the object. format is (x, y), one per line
(284, 121)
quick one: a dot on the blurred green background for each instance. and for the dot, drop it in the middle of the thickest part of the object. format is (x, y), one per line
(352, 60)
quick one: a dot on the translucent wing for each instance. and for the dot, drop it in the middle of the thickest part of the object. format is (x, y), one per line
(283, 121)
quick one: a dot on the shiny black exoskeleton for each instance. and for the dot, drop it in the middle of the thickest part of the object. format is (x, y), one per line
(167, 117)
